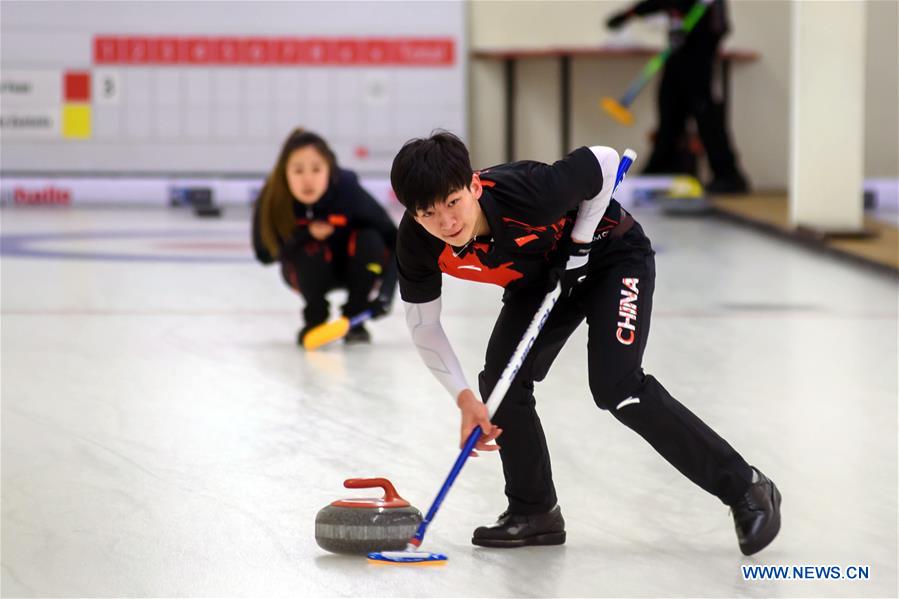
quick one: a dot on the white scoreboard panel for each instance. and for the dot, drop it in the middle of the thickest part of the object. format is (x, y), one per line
(213, 88)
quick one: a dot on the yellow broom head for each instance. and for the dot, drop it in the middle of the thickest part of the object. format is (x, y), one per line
(326, 333)
(618, 112)
(685, 186)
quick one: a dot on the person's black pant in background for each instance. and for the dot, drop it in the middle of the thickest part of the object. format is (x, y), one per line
(686, 91)
(354, 261)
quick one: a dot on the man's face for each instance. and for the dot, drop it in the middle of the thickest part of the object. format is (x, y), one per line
(454, 219)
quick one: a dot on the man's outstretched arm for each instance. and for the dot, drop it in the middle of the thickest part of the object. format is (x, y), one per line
(436, 352)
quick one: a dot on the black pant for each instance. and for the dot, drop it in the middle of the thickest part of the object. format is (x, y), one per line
(354, 261)
(616, 300)
(685, 91)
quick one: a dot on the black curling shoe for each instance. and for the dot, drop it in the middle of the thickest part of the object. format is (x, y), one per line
(736, 184)
(757, 515)
(358, 334)
(516, 530)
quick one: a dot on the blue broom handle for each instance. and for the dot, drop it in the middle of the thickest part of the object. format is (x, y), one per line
(627, 159)
(505, 380)
(454, 472)
(524, 346)
(360, 318)
(645, 76)
(496, 396)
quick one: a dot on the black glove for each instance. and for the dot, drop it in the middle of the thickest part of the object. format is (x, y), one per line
(618, 20)
(379, 307)
(571, 270)
(262, 254)
(381, 304)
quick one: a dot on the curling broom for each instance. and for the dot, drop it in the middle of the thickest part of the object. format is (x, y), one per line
(620, 109)
(411, 555)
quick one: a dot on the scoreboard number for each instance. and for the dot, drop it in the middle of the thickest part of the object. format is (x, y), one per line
(107, 86)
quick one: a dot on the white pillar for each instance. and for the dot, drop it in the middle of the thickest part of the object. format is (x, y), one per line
(827, 115)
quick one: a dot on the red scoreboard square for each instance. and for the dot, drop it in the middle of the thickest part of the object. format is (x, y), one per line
(105, 50)
(77, 86)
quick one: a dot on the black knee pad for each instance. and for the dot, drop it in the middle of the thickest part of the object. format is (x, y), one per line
(486, 383)
(520, 392)
(289, 274)
(308, 274)
(608, 393)
(638, 399)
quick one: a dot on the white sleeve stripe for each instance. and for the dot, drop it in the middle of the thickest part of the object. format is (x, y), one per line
(590, 211)
(429, 338)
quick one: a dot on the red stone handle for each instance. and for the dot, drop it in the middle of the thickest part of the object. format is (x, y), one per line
(390, 494)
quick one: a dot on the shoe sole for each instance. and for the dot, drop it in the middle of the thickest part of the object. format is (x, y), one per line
(552, 538)
(768, 534)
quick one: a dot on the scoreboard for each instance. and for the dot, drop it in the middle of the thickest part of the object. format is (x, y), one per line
(213, 88)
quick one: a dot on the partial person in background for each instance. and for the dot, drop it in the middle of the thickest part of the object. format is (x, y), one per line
(686, 90)
(327, 232)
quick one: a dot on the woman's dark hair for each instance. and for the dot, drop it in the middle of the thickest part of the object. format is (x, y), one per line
(427, 170)
(276, 219)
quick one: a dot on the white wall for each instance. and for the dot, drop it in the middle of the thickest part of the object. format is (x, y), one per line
(759, 109)
(827, 115)
(760, 91)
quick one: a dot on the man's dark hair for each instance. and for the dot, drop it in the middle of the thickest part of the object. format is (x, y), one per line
(427, 170)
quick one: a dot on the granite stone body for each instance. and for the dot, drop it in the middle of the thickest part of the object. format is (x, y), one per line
(360, 530)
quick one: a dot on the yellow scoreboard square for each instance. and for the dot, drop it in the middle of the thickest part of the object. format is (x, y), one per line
(76, 121)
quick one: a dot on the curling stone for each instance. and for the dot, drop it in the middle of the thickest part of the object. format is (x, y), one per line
(361, 524)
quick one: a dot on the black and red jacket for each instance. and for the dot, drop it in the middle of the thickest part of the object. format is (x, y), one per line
(529, 206)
